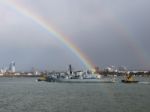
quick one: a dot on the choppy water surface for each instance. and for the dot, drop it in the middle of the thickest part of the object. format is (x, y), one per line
(27, 95)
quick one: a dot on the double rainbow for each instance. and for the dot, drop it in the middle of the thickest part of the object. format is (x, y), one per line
(125, 34)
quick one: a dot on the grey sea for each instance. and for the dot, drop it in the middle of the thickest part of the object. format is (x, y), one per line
(27, 95)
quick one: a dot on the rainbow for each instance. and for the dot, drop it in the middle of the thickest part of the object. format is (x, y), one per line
(125, 34)
(134, 44)
(57, 34)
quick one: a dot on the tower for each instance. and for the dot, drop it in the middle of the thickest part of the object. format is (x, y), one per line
(12, 67)
(70, 69)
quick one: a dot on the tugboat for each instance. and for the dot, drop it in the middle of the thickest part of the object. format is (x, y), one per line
(129, 79)
(47, 79)
(43, 78)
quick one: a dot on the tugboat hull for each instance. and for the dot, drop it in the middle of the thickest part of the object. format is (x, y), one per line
(126, 81)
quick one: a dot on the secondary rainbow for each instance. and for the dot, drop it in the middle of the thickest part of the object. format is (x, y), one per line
(47, 26)
(128, 37)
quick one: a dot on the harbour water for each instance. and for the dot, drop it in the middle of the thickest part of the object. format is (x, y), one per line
(27, 95)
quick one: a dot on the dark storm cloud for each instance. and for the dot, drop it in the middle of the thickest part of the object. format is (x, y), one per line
(96, 26)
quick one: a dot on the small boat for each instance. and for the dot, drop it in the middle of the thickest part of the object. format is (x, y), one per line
(47, 79)
(129, 79)
(41, 79)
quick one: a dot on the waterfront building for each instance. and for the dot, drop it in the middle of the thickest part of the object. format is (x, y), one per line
(111, 69)
(12, 67)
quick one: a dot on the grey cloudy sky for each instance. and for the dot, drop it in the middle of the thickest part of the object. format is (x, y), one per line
(109, 32)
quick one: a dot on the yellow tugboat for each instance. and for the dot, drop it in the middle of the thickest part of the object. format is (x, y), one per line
(47, 79)
(129, 79)
(43, 78)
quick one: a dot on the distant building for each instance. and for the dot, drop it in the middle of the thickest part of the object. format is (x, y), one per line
(122, 68)
(36, 73)
(111, 69)
(12, 67)
(2, 71)
(1, 74)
